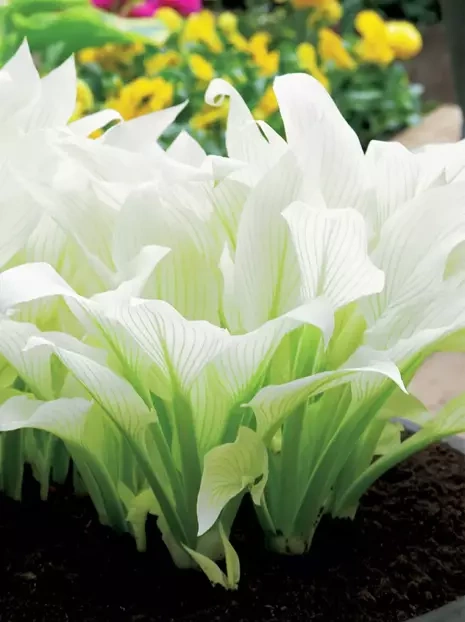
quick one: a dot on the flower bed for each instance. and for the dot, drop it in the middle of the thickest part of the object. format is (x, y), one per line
(362, 71)
(421, 12)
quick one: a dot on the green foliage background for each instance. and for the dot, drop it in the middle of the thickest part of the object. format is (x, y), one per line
(417, 11)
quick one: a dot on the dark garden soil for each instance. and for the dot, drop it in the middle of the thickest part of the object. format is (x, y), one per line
(404, 555)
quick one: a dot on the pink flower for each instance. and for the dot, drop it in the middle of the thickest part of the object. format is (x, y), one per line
(147, 8)
(184, 7)
(105, 5)
(144, 9)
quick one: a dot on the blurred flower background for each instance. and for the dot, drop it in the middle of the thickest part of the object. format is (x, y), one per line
(141, 56)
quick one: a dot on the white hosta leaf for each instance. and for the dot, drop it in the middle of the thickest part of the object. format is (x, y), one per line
(229, 470)
(366, 386)
(189, 277)
(230, 313)
(57, 98)
(68, 342)
(233, 568)
(111, 163)
(456, 262)
(140, 133)
(234, 374)
(30, 282)
(16, 288)
(113, 394)
(169, 170)
(138, 506)
(19, 214)
(179, 348)
(186, 150)
(440, 309)
(85, 210)
(447, 422)
(398, 177)
(414, 246)
(228, 580)
(245, 358)
(49, 243)
(16, 412)
(412, 331)
(404, 408)
(244, 140)
(395, 172)
(108, 163)
(450, 420)
(228, 199)
(267, 276)
(274, 403)
(219, 167)
(89, 203)
(90, 440)
(210, 568)
(92, 122)
(19, 84)
(328, 150)
(33, 367)
(449, 157)
(63, 417)
(275, 140)
(331, 248)
(154, 214)
(390, 438)
(135, 276)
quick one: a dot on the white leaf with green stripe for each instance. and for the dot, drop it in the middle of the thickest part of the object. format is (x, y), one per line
(331, 248)
(229, 470)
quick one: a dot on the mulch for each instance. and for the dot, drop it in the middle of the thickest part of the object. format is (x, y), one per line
(402, 556)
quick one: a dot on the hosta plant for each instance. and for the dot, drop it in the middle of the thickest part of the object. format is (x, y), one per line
(253, 326)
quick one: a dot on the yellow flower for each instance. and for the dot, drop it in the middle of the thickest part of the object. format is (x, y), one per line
(88, 55)
(126, 53)
(171, 18)
(306, 57)
(201, 68)
(227, 22)
(369, 25)
(404, 39)
(142, 96)
(96, 134)
(373, 52)
(200, 28)
(154, 64)
(310, 4)
(112, 57)
(331, 48)
(267, 105)
(267, 61)
(259, 41)
(238, 41)
(374, 46)
(84, 100)
(331, 12)
(209, 116)
(130, 51)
